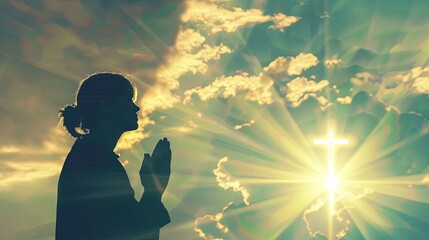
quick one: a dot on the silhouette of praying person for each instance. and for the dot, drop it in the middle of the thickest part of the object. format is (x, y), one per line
(95, 198)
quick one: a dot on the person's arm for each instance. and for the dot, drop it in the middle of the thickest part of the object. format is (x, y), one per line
(155, 174)
(153, 216)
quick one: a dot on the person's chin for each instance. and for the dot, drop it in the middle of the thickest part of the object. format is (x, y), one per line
(135, 126)
(132, 127)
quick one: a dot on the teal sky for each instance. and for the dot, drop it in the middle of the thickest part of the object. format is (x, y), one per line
(241, 89)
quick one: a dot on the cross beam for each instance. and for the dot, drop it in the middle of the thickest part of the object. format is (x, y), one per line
(331, 141)
(331, 180)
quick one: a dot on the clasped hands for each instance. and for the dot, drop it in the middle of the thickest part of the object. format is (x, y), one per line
(156, 169)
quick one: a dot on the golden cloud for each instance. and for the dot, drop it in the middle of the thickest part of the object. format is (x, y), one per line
(189, 54)
(292, 65)
(331, 63)
(225, 181)
(300, 89)
(420, 85)
(282, 21)
(216, 218)
(256, 88)
(216, 19)
(344, 100)
(240, 126)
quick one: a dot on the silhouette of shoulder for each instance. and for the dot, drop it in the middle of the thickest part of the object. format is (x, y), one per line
(96, 200)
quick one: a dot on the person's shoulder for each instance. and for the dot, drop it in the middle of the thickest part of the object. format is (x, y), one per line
(82, 158)
(79, 169)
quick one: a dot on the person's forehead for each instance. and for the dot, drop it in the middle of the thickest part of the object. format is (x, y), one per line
(126, 96)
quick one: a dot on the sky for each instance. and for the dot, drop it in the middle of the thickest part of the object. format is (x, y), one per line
(241, 89)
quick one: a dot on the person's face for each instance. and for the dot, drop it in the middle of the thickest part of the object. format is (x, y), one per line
(124, 113)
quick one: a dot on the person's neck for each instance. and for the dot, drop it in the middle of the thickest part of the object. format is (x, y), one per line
(107, 138)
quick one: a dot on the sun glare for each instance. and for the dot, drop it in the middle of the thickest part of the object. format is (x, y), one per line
(331, 182)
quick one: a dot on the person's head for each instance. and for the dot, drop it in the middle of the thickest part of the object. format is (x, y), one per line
(101, 97)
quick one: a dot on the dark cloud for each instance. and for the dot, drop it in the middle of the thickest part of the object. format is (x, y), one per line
(31, 103)
(45, 50)
(83, 37)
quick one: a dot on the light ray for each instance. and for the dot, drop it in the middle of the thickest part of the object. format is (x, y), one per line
(285, 215)
(331, 180)
(370, 145)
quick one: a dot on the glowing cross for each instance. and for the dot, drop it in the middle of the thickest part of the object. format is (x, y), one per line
(331, 181)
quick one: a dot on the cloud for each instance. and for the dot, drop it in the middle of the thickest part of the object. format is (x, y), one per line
(154, 99)
(69, 9)
(415, 80)
(188, 40)
(316, 206)
(331, 63)
(300, 89)
(128, 139)
(365, 80)
(291, 65)
(414, 73)
(240, 126)
(338, 213)
(46, 159)
(9, 149)
(183, 129)
(344, 100)
(215, 18)
(192, 54)
(189, 54)
(425, 179)
(420, 85)
(399, 88)
(224, 181)
(68, 41)
(71, 52)
(30, 99)
(216, 219)
(394, 87)
(282, 21)
(19, 171)
(256, 88)
(368, 82)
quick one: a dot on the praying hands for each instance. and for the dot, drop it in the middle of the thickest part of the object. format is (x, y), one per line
(156, 169)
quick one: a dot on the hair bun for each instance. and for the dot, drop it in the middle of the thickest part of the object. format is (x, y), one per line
(71, 119)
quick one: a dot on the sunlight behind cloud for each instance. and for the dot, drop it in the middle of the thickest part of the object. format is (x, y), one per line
(292, 65)
(28, 171)
(216, 18)
(300, 89)
(256, 88)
